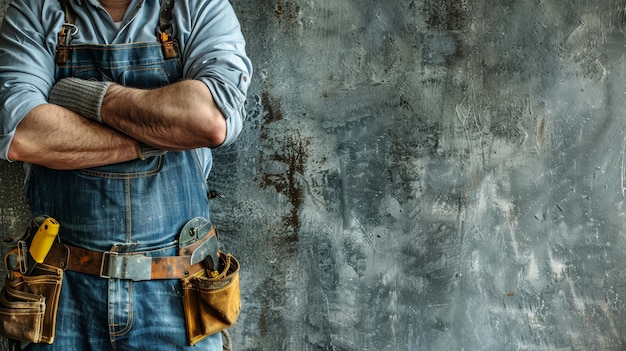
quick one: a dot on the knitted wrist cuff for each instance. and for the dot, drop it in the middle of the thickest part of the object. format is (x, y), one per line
(81, 96)
(145, 151)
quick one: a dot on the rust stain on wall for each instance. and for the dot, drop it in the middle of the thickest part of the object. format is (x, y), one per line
(287, 13)
(273, 106)
(447, 14)
(293, 153)
(289, 149)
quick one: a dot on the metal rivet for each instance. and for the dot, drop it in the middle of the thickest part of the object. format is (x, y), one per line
(186, 252)
(185, 274)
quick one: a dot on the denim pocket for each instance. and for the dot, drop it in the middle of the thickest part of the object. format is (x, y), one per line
(127, 170)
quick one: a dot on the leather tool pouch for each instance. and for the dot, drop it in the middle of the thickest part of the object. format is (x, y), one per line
(28, 304)
(212, 304)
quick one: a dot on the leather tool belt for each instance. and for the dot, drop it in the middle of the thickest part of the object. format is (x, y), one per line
(210, 280)
(135, 266)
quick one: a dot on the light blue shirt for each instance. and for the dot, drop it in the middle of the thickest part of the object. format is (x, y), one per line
(208, 33)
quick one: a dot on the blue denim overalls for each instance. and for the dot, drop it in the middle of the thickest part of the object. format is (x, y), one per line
(136, 206)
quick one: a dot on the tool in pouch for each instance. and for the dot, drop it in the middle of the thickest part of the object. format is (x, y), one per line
(30, 295)
(31, 255)
(207, 251)
(211, 298)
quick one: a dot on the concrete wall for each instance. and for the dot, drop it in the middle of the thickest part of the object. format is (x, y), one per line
(425, 175)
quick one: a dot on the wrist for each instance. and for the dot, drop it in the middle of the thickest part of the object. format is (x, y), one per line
(145, 151)
(82, 96)
(122, 102)
(109, 107)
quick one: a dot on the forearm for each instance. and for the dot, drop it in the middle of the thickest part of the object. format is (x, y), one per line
(55, 137)
(175, 117)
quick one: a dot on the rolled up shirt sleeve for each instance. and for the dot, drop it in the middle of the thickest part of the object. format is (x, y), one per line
(214, 53)
(26, 63)
(209, 35)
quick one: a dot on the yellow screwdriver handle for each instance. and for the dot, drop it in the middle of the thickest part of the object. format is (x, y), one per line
(43, 239)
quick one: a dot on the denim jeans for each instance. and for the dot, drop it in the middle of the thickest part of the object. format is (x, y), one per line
(139, 206)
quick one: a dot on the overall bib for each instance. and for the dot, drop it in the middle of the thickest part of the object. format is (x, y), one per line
(136, 206)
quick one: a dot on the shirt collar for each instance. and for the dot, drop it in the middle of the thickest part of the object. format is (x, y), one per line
(96, 3)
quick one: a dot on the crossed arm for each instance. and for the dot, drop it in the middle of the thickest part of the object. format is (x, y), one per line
(205, 110)
(176, 117)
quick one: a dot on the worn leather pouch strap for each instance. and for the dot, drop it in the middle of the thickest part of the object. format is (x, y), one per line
(29, 304)
(212, 304)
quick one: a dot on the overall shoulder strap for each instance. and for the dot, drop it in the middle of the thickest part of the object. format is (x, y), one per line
(164, 30)
(70, 15)
(165, 16)
(67, 30)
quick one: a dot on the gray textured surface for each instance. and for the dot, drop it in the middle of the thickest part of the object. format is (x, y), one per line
(425, 175)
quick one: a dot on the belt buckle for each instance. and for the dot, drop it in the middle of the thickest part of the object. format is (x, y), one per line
(134, 267)
(102, 263)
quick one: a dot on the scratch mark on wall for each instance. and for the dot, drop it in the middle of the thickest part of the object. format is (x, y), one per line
(471, 126)
(582, 47)
(533, 274)
(558, 268)
(622, 168)
(509, 219)
(606, 310)
(541, 131)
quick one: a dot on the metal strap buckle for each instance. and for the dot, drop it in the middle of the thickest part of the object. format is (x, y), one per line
(134, 267)
(22, 256)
